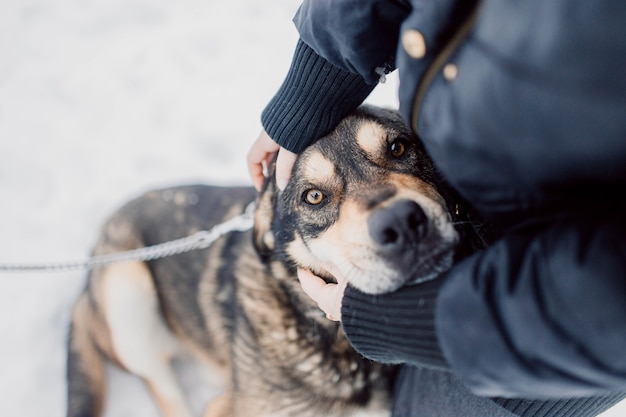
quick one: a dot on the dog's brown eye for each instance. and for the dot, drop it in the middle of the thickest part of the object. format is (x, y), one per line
(313, 197)
(397, 148)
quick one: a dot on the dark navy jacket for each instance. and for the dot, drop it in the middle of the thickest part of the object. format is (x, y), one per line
(522, 106)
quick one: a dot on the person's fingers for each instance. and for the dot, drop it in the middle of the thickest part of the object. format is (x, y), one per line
(327, 296)
(312, 285)
(260, 152)
(256, 174)
(284, 164)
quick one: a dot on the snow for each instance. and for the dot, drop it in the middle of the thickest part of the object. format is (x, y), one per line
(100, 101)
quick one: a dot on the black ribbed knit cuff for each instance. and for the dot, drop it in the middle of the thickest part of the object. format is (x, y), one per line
(314, 97)
(395, 328)
(573, 407)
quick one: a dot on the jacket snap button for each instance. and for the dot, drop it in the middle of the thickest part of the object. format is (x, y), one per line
(450, 71)
(414, 44)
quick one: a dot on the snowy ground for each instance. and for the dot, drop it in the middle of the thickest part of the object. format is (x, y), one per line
(99, 101)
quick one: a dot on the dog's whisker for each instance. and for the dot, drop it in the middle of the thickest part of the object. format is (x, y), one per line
(468, 222)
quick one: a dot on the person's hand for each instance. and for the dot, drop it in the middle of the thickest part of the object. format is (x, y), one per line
(259, 157)
(327, 296)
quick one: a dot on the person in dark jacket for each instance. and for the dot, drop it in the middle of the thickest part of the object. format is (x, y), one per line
(522, 107)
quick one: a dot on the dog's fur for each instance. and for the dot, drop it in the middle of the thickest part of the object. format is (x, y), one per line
(364, 202)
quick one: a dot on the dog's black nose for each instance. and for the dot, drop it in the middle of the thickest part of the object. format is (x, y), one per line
(399, 225)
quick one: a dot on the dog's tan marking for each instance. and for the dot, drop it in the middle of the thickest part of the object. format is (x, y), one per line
(348, 234)
(298, 250)
(141, 340)
(318, 170)
(370, 137)
(409, 184)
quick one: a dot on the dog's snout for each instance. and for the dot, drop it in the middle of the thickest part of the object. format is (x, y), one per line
(398, 225)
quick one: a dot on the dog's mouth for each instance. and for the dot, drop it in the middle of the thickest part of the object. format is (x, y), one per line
(377, 274)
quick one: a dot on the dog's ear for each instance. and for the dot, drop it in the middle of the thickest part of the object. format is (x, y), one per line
(263, 237)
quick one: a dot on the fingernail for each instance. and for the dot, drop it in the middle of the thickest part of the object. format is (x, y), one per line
(281, 183)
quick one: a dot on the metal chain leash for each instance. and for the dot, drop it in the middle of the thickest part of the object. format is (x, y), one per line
(199, 240)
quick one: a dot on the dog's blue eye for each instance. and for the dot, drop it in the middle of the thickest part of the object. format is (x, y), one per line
(313, 197)
(397, 148)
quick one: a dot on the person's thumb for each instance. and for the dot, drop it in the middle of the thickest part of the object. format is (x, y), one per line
(284, 165)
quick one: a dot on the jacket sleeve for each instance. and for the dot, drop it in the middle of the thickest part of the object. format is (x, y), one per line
(345, 47)
(541, 313)
(358, 36)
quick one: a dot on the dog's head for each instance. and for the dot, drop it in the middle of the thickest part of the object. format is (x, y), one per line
(362, 202)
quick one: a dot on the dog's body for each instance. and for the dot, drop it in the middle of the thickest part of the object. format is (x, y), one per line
(363, 202)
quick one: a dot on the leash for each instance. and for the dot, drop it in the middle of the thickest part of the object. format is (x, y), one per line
(199, 240)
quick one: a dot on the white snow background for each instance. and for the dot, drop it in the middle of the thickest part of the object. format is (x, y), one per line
(100, 101)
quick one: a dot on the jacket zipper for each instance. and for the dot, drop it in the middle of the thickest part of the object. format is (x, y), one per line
(439, 62)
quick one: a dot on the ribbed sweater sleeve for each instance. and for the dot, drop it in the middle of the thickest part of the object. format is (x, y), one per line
(395, 328)
(400, 328)
(312, 100)
(568, 407)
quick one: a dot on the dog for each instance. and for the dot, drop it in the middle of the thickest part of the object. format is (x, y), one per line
(364, 201)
